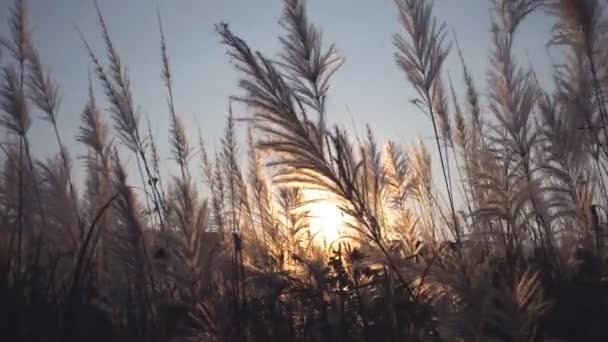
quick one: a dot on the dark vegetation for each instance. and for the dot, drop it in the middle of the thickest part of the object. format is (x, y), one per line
(509, 247)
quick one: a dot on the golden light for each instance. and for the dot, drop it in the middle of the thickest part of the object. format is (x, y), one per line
(327, 221)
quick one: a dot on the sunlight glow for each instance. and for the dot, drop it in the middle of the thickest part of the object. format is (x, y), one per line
(327, 221)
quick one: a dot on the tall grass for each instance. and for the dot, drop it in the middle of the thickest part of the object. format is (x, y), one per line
(232, 256)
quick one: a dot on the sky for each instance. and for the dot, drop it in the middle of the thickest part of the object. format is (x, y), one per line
(369, 89)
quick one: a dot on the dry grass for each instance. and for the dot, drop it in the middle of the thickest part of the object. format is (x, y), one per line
(522, 253)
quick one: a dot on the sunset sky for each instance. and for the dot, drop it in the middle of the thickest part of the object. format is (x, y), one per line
(369, 84)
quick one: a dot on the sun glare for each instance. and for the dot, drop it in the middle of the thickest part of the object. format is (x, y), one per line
(326, 219)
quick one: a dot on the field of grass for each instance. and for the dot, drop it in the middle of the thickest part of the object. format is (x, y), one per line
(319, 236)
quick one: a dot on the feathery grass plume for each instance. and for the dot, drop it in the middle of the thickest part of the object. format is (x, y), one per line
(130, 256)
(462, 141)
(14, 107)
(276, 111)
(153, 150)
(420, 54)
(116, 86)
(19, 42)
(190, 223)
(374, 178)
(400, 187)
(506, 197)
(576, 108)
(406, 231)
(180, 148)
(126, 120)
(215, 187)
(232, 171)
(155, 161)
(219, 181)
(15, 110)
(563, 144)
(128, 208)
(278, 92)
(236, 197)
(574, 94)
(260, 210)
(398, 172)
(192, 253)
(581, 28)
(512, 100)
(277, 115)
(581, 23)
(307, 65)
(296, 222)
(440, 105)
(441, 109)
(282, 119)
(472, 96)
(184, 206)
(94, 134)
(44, 92)
(422, 57)
(353, 187)
(19, 200)
(422, 191)
(95, 192)
(483, 310)
(567, 164)
(475, 142)
(461, 135)
(56, 195)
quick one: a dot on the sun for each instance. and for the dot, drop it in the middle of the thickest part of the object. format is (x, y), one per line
(326, 220)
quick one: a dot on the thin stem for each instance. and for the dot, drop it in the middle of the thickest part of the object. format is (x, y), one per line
(144, 184)
(19, 210)
(462, 188)
(598, 93)
(443, 167)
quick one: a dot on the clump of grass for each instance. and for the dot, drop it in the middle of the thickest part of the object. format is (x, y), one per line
(231, 255)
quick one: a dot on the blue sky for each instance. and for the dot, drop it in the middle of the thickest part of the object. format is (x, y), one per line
(369, 84)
